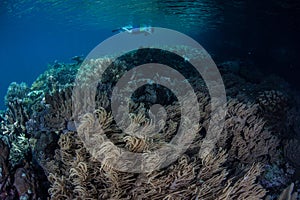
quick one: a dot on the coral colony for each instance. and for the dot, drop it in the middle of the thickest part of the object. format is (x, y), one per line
(42, 154)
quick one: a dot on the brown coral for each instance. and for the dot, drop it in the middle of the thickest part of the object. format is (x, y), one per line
(273, 102)
(287, 194)
(292, 151)
(190, 177)
(246, 136)
(59, 113)
(273, 106)
(25, 183)
(4, 153)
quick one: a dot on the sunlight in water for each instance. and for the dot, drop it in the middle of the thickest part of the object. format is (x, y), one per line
(185, 16)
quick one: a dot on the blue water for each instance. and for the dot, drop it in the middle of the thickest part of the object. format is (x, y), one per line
(29, 45)
(36, 33)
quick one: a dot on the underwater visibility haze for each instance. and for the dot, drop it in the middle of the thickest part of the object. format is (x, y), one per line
(152, 99)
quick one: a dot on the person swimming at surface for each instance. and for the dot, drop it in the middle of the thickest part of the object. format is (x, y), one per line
(135, 29)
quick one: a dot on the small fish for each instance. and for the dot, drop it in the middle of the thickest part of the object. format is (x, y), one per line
(78, 59)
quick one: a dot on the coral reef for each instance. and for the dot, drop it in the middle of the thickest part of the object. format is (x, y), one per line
(80, 176)
(292, 151)
(287, 194)
(18, 182)
(242, 128)
(49, 148)
(13, 125)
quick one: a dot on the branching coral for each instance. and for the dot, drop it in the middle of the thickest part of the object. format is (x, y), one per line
(13, 125)
(250, 141)
(80, 162)
(190, 177)
(273, 106)
(58, 77)
(245, 187)
(59, 115)
(273, 102)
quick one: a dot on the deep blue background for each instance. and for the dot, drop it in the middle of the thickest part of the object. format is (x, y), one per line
(27, 47)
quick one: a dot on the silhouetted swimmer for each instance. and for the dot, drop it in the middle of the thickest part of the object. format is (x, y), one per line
(135, 29)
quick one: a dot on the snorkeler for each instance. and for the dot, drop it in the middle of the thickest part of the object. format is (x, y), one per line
(135, 29)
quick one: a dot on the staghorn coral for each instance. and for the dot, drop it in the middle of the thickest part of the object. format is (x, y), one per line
(56, 115)
(20, 149)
